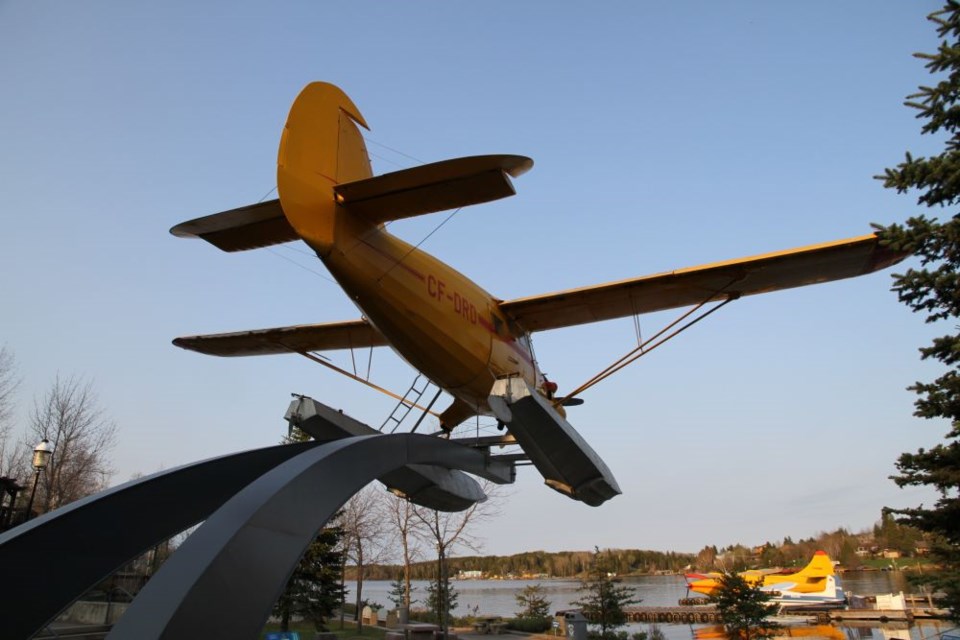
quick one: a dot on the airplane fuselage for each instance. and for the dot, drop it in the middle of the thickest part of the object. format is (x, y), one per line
(441, 322)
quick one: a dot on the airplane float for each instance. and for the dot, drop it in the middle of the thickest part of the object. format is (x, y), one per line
(471, 344)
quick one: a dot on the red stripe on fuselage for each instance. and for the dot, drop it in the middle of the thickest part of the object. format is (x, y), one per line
(511, 342)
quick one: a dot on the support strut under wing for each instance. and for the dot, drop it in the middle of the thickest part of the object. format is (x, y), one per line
(565, 460)
(430, 486)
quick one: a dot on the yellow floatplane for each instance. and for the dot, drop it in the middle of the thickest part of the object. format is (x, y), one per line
(815, 584)
(471, 344)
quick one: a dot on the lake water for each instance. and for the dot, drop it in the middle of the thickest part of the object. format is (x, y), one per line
(498, 598)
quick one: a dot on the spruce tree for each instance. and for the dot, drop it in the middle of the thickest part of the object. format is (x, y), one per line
(315, 589)
(603, 597)
(441, 599)
(398, 593)
(934, 290)
(534, 614)
(533, 603)
(744, 608)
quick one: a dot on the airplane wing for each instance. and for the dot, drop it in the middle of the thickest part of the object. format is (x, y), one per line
(353, 334)
(686, 287)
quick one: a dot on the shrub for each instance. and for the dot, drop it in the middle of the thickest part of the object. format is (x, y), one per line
(530, 625)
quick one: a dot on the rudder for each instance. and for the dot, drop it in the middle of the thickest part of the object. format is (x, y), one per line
(820, 566)
(321, 146)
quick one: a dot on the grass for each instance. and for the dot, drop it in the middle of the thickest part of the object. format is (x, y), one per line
(348, 631)
(901, 564)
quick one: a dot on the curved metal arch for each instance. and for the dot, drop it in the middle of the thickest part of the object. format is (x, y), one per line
(224, 580)
(49, 561)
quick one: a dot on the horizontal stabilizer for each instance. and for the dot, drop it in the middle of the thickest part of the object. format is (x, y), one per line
(250, 227)
(687, 287)
(432, 187)
(353, 334)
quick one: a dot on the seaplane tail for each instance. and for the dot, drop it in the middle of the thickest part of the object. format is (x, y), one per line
(320, 148)
(813, 574)
(328, 194)
(327, 189)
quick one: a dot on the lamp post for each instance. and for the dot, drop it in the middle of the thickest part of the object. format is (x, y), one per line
(41, 457)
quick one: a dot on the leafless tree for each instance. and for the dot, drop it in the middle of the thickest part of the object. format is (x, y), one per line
(70, 417)
(8, 386)
(9, 381)
(364, 536)
(447, 531)
(399, 513)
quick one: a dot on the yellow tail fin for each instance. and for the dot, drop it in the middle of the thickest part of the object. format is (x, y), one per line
(321, 147)
(820, 566)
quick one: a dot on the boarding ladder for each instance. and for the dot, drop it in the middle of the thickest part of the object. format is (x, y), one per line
(408, 402)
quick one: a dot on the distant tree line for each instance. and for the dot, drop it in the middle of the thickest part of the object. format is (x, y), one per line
(561, 564)
(840, 544)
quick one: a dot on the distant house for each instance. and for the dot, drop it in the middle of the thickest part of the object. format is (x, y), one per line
(469, 575)
(890, 554)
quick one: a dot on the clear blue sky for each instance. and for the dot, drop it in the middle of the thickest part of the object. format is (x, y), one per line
(665, 135)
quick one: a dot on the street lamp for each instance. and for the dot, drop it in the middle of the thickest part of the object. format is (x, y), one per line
(41, 457)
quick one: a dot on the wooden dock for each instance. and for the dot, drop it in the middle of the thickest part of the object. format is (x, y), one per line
(873, 615)
(701, 614)
(708, 614)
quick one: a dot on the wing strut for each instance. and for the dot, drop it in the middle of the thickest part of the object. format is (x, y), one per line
(653, 342)
(310, 356)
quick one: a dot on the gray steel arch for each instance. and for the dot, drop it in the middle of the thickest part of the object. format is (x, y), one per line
(48, 562)
(224, 580)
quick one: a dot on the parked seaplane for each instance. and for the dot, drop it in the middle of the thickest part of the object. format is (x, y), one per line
(471, 344)
(809, 579)
(816, 585)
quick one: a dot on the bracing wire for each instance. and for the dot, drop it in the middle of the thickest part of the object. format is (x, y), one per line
(417, 246)
(266, 195)
(396, 151)
(395, 396)
(305, 268)
(654, 341)
(387, 160)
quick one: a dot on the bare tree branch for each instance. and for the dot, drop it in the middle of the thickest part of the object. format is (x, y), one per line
(9, 382)
(70, 417)
(446, 531)
(363, 535)
(399, 513)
